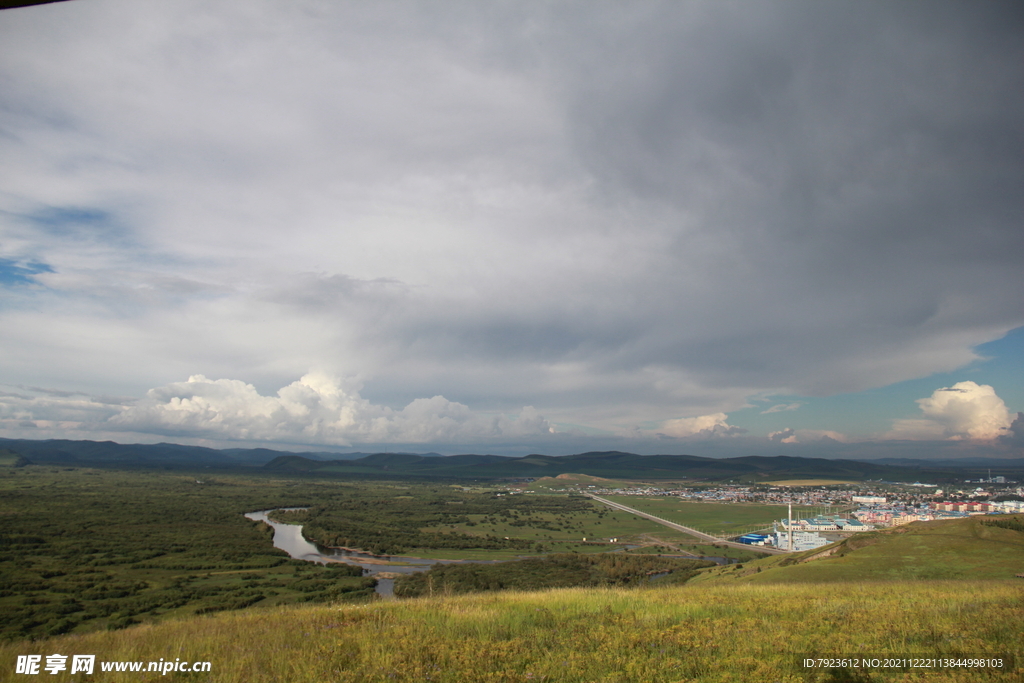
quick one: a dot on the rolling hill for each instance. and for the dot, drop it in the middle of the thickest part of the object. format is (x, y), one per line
(614, 465)
(971, 548)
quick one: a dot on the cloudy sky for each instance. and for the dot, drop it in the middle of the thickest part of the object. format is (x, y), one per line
(684, 227)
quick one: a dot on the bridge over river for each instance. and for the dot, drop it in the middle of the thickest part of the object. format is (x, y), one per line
(685, 529)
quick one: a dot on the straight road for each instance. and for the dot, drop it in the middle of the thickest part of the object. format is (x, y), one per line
(686, 529)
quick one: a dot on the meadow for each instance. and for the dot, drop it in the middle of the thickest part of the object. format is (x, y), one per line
(968, 549)
(551, 571)
(144, 565)
(90, 548)
(585, 527)
(716, 519)
(710, 633)
(82, 549)
(683, 544)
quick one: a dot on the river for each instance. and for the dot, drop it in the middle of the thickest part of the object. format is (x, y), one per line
(289, 538)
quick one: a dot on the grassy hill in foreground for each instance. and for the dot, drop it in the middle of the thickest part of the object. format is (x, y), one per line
(688, 633)
(968, 548)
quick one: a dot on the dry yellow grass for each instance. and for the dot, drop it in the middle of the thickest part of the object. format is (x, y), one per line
(688, 633)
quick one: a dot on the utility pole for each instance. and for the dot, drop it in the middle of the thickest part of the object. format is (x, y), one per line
(789, 526)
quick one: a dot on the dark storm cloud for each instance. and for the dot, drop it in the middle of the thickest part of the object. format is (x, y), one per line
(621, 213)
(1015, 437)
(836, 181)
(835, 187)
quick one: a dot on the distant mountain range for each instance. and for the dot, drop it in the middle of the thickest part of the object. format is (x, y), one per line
(64, 451)
(618, 465)
(609, 464)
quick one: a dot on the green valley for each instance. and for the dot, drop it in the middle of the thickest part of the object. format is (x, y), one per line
(146, 564)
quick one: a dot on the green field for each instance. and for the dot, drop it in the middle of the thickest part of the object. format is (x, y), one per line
(10, 459)
(562, 532)
(83, 548)
(716, 519)
(568, 570)
(577, 481)
(971, 548)
(695, 549)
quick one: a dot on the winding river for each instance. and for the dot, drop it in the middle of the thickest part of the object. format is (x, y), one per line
(289, 538)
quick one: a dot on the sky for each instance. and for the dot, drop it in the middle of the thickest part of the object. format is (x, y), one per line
(715, 228)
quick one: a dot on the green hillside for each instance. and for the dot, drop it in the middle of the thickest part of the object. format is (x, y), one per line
(709, 633)
(970, 548)
(614, 465)
(571, 479)
(11, 459)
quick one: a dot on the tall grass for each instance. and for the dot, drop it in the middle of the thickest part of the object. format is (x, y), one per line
(709, 633)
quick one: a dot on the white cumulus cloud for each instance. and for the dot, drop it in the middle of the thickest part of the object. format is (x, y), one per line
(966, 410)
(315, 409)
(703, 425)
(780, 407)
(787, 435)
(790, 435)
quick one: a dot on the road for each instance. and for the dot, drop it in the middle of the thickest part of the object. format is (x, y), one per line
(686, 529)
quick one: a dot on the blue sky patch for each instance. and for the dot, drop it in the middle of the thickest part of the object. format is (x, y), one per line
(73, 221)
(15, 273)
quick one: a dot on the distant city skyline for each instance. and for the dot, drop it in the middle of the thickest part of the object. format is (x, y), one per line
(714, 228)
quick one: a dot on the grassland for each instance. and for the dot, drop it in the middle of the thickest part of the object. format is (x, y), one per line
(551, 571)
(11, 459)
(710, 633)
(664, 544)
(967, 549)
(585, 528)
(90, 549)
(82, 549)
(568, 481)
(717, 519)
(85, 548)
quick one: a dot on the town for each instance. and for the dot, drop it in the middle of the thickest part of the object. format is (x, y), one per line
(842, 508)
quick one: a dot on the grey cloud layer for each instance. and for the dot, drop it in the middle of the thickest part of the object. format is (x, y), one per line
(621, 214)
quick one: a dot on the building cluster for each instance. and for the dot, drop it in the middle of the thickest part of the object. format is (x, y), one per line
(797, 540)
(1006, 506)
(867, 507)
(827, 523)
(895, 514)
(891, 517)
(730, 494)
